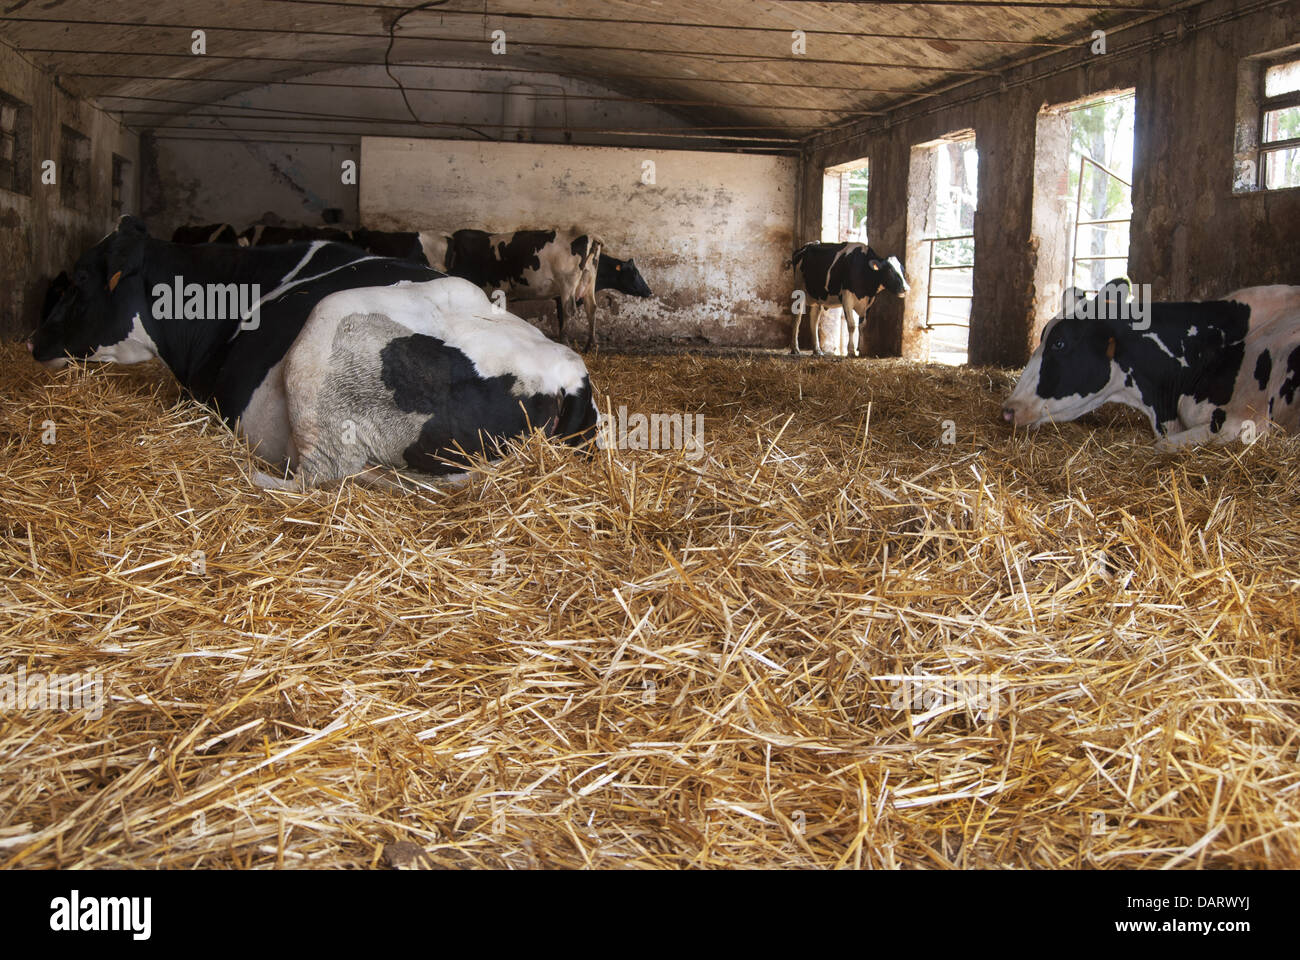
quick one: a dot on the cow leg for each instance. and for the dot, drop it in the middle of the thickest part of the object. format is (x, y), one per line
(849, 302)
(1186, 438)
(570, 310)
(1228, 431)
(559, 319)
(815, 319)
(794, 334)
(589, 298)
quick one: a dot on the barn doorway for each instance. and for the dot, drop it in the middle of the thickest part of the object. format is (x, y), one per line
(945, 182)
(1100, 171)
(844, 201)
(1083, 196)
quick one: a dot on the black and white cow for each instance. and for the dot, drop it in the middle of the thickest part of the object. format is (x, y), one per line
(207, 233)
(400, 245)
(850, 275)
(559, 265)
(263, 236)
(54, 293)
(350, 360)
(621, 276)
(1199, 370)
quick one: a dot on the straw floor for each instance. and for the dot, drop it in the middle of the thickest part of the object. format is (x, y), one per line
(644, 660)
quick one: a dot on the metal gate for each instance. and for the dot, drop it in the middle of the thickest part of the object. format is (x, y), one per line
(1075, 259)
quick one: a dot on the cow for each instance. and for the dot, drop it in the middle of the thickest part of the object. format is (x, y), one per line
(348, 359)
(850, 275)
(398, 245)
(621, 276)
(532, 265)
(54, 293)
(207, 233)
(1211, 370)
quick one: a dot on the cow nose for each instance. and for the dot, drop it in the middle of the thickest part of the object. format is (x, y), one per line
(30, 348)
(1008, 415)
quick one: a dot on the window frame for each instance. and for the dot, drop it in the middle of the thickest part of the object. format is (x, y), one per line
(1266, 105)
(18, 166)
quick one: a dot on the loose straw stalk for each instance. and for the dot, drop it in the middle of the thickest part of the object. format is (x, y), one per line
(813, 645)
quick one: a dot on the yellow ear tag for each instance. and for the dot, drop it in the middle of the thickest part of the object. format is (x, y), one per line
(112, 281)
(1110, 349)
(619, 267)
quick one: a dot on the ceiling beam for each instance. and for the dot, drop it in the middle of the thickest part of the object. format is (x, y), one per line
(246, 82)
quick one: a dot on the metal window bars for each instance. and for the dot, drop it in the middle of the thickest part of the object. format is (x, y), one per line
(1075, 259)
(930, 295)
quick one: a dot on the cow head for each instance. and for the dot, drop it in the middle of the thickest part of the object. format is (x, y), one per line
(98, 315)
(1073, 370)
(621, 275)
(891, 275)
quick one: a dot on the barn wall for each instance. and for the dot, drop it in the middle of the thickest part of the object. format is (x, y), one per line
(39, 235)
(1192, 235)
(190, 181)
(711, 235)
(257, 160)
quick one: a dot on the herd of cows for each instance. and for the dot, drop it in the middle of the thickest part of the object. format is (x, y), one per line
(358, 356)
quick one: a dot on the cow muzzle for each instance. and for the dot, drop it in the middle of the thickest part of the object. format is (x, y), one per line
(1021, 414)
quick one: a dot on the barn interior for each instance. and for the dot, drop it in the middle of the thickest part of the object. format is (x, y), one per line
(649, 659)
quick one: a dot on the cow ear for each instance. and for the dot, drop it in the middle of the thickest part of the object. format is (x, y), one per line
(126, 252)
(1110, 297)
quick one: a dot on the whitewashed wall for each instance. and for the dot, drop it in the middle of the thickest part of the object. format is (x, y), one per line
(711, 235)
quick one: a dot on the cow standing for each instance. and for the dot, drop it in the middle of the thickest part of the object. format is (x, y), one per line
(850, 275)
(349, 360)
(1199, 370)
(559, 265)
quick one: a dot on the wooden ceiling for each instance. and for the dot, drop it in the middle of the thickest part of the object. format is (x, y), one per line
(727, 68)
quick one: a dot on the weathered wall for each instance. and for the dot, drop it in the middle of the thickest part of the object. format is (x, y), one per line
(39, 236)
(711, 235)
(195, 181)
(1192, 235)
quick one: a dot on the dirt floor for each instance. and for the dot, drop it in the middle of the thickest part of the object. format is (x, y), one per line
(859, 623)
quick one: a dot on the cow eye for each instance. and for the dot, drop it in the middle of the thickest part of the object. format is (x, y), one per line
(1058, 344)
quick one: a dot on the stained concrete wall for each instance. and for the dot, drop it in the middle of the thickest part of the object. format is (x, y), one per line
(39, 235)
(190, 181)
(1192, 235)
(712, 234)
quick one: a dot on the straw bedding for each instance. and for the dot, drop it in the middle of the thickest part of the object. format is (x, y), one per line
(644, 660)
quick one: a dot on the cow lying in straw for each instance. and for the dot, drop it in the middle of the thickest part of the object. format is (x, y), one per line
(1213, 370)
(346, 362)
